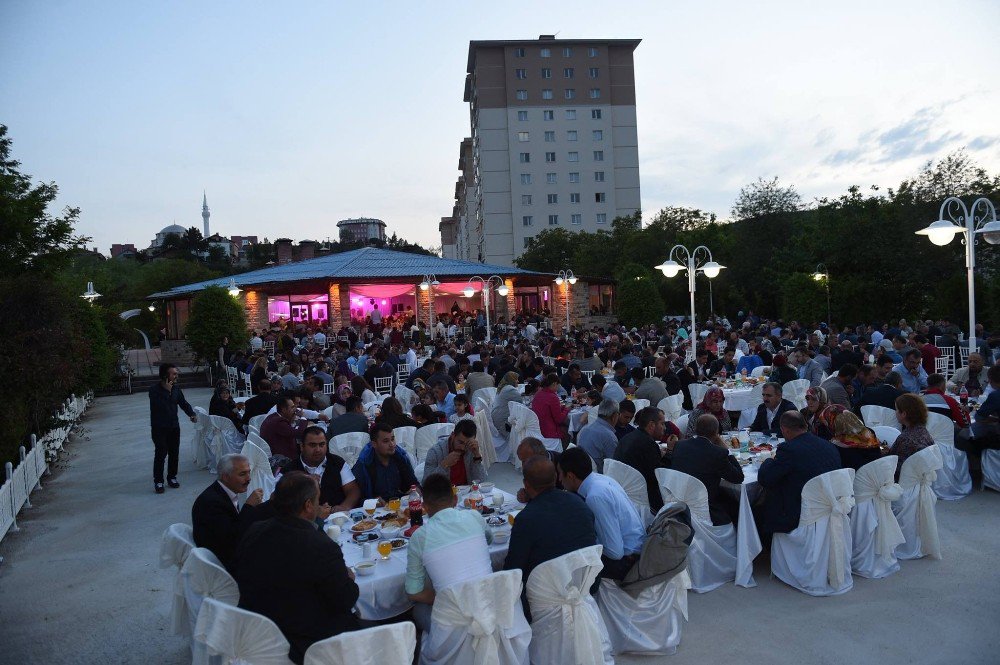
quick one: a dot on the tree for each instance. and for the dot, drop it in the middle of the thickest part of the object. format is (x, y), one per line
(639, 300)
(955, 175)
(214, 315)
(551, 251)
(763, 198)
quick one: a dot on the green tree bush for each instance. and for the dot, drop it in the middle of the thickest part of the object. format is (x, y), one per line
(639, 300)
(215, 314)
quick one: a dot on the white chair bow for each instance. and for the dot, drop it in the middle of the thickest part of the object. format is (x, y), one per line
(830, 494)
(261, 475)
(523, 423)
(204, 577)
(874, 530)
(953, 480)
(175, 546)
(915, 509)
(239, 636)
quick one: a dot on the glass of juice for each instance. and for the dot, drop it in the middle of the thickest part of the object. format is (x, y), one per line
(384, 549)
(393, 505)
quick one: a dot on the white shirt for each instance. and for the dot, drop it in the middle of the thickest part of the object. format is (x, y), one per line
(530, 331)
(319, 338)
(232, 495)
(346, 476)
(376, 316)
(411, 359)
(256, 343)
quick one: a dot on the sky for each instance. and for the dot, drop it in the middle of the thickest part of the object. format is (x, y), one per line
(292, 116)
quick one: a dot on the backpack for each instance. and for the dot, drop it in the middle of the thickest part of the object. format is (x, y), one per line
(664, 552)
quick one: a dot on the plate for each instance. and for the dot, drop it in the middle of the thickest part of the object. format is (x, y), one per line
(496, 520)
(398, 543)
(364, 525)
(365, 537)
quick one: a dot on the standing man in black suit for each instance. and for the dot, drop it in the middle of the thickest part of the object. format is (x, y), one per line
(710, 462)
(802, 457)
(338, 489)
(292, 573)
(216, 517)
(164, 398)
(769, 413)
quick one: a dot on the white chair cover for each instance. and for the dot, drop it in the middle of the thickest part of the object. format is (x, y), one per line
(261, 475)
(238, 636)
(256, 421)
(202, 576)
(259, 441)
(484, 396)
(566, 626)
(795, 392)
(712, 554)
(349, 445)
(404, 439)
(886, 433)
(176, 544)
(523, 423)
(915, 509)
(991, 469)
(879, 415)
(391, 644)
(228, 439)
(815, 558)
(485, 437)
(640, 404)
(672, 406)
(427, 436)
(650, 623)
(406, 397)
(634, 485)
(682, 423)
(874, 530)
(201, 438)
(479, 622)
(758, 372)
(953, 479)
(750, 404)
(697, 391)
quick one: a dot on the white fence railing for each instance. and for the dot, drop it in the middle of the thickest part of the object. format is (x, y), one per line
(15, 493)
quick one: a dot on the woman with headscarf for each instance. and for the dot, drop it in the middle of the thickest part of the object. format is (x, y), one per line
(856, 443)
(712, 403)
(507, 392)
(818, 419)
(222, 404)
(781, 373)
(339, 405)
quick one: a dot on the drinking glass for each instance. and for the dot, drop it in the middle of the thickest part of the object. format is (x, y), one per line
(384, 549)
(393, 505)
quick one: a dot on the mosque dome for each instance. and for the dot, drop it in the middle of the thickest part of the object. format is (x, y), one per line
(173, 228)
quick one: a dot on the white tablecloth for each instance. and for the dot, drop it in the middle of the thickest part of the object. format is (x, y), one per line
(737, 399)
(748, 544)
(576, 420)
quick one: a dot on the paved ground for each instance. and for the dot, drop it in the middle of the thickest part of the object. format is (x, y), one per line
(80, 581)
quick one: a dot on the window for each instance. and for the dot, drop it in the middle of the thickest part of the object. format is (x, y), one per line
(550, 137)
(522, 95)
(598, 176)
(567, 52)
(593, 72)
(526, 199)
(576, 219)
(522, 115)
(570, 93)
(595, 93)
(547, 93)
(527, 242)
(571, 135)
(545, 53)
(574, 177)
(599, 197)
(550, 157)
(548, 115)
(567, 72)
(598, 155)
(550, 178)
(525, 157)
(574, 198)
(527, 220)
(597, 134)
(553, 220)
(595, 114)
(519, 53)
(573, 157)
(592, 52)
(546, 73)
(602, 218)
(525, 178)
(522, 137)
(521, 73)
(571, 114)
(553, 199)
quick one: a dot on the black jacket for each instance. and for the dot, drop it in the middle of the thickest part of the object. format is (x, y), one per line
(292, 573)
(884, 395)
(216, 524)
(163, 405)
(348, 422)
(709, 463)
(331, 490)
(797, 462)
(258, 405)
(760, 423)
(640, 452)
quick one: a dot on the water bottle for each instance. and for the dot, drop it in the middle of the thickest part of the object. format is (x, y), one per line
(963, 396)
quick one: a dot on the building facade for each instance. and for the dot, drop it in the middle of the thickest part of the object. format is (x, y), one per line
(363, 229)
(554, 142)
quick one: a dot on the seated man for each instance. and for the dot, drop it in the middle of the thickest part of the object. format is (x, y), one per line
(641, 451)
(216, 518)
(912, 372)
(338, 490)
(353, 420)
(457, 455)
(319, 399)
(260, 403)
(770, 411)
(939, 402)
(710, 463)
(839, 388)
(619, 527)
(383, 470)
(725, 364)
(608, 389)
(574, 380)
(626, 413)
(279, 431)
(292, 573)
(451, 547)
(598, 438)
(885, 394)
(444, 399)
(802, 457)
(973, 376)
(651, 388)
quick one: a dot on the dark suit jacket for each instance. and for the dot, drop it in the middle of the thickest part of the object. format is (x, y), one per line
(331, 491)
(709, 463)
(258, 405)
(884, 395)
(349, 422)
(292, 573)
(760, 423)
(640, 452)
(216, 524)
(797, 462)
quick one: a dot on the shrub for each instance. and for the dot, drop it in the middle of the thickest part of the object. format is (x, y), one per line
(215, 314)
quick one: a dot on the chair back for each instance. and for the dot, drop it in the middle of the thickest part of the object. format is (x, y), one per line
(632, 482)
(239, 636)
(485, 395)
(697, 391)
(175, 545)
(523, 423)
(942, 366)
(879, 415)
(257, 421)
(679, 486)
(682, 423)
(259, 441)
(404, 438)
(640, 404)
(875, 481)
(886, 433)
(831, 495)
(327, 388)
(391, 644)
(485, 438)
(223, 424)
(383, 386)
(407, 398)
(941, 429)
(427, 436)
(920, 470)
(261, 476)
(349, 445)
(795, 392)
(671, 406)
(760, 371)
(203, 576)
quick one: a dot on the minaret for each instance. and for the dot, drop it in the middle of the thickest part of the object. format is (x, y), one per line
(205, 214)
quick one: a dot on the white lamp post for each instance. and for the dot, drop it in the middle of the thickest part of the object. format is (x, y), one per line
(234, 290)
(428, 282)
(692, 262)
(961, 219)
(90, 295)
(487, 284)
(822, 274)
(568, 277)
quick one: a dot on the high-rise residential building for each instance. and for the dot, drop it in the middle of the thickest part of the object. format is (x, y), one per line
(362, 229)
(554, 142)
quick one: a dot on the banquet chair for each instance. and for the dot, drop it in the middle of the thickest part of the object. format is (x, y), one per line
(383, 386)
(953, 479)
(485, 396)
(697, 392)
(634, 485)
(238, 636)
(261, 476)
(886, 433)
(349, 445)
(640, 404)
(259, 441)
(875, 532)
(478, 621)
(201, 439)
(523, 423)
(228, 438)
(589, 373)
(402, 373)
(566, 625)
(484, 435)
(425, 439)
(942, 366)
(991, 469)
(202, 576)
(760, 371)
(175, 546)
(815, 558)
(407, 398)
(391, 644)
(795, 392)
(749, 411)
(879, 415)
(328, 389)
(682, 423)
(671, 406)
(963, 352)
(915, 508)
(712, 553)
(257, 421)
(404, 439)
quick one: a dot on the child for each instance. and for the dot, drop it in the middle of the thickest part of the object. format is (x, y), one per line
(463, 411)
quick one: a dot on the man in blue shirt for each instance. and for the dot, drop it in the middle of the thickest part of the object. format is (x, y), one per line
(164, 398)
(619, 527)
(598, 438)
(445, 400)
(914, 375)
(383, 470)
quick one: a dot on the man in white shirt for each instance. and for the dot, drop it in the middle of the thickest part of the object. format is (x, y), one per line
(530, 332)
(411, 356)
(217, 520)
(319, 339)
(376, 316)
(609, 389)
(338, 490)
(256, 343)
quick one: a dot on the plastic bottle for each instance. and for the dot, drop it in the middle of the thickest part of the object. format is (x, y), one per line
(963, 396)
(475, 498)
(416, 505)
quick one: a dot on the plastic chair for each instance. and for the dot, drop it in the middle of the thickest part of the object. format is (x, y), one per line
(915, 508)
(261, 475)
(404, 439)
(795, 392)
(383, 386)
(874, 529)
(634, 485)
(712, 554)
(239, 636)
(886, 433)
(953, 479)
(875, 416)
(202, 576)
(566, 624)
(349, 445)
(649, 623)
(391, 644)
(815, 558)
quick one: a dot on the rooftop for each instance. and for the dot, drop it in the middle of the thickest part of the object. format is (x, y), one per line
(543, 39)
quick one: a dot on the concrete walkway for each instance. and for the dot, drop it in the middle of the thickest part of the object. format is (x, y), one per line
(80, 582)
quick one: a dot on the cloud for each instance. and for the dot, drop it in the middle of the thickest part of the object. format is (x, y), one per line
(983, 142)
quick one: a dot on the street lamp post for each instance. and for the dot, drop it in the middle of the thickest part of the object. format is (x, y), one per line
(962, 219)
(569, 278)
(428, 282)
(692, 261)
(91, 294)
(487, 284)
(824, 276)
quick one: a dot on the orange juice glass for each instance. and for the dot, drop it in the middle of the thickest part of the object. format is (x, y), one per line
(393, 505)
(510, 518)
(384, 549)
